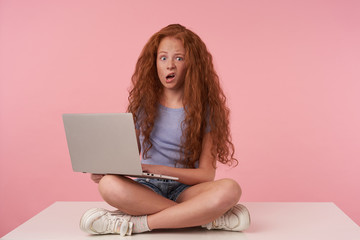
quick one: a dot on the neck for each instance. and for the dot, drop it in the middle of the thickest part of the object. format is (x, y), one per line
(172, 99)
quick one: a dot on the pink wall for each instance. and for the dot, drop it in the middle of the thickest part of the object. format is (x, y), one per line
(290, 70)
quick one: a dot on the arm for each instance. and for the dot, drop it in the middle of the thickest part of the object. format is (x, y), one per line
(190, 176)
(138, 139)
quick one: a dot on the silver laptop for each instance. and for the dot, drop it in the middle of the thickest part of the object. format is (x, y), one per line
(105, 143)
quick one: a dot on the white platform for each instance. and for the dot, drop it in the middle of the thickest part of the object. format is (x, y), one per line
(270, 221)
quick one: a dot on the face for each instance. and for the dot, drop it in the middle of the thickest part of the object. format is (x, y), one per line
(170, 63)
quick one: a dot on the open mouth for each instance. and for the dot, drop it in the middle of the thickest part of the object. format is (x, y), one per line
(170, 77)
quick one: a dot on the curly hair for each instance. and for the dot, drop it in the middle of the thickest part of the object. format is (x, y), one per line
(204, 100)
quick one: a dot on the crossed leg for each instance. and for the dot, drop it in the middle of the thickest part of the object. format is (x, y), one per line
(197, 205)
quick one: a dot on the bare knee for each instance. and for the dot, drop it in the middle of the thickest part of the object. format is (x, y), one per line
(112, 188)
(228, 193)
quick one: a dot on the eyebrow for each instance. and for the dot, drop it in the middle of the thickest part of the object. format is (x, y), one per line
(176, 53)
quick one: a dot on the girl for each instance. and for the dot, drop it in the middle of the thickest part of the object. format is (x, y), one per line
(182, 125)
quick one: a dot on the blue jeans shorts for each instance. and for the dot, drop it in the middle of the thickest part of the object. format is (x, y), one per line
(169, 189)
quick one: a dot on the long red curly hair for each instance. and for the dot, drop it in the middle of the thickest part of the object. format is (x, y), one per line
(204, 100)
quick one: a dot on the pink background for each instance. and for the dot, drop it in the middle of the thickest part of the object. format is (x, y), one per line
(290, 69)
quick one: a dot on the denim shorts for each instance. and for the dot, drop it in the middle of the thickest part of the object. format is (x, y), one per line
(169, 189)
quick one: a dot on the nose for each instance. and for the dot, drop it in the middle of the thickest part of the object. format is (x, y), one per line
(171, 64)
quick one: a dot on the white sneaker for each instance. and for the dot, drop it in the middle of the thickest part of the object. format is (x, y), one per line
(101, 221)
(236, 219)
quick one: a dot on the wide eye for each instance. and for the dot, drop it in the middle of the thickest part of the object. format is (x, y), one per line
(162, 58)
(179, 58)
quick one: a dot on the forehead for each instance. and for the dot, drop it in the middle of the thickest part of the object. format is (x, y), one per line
(171, 44)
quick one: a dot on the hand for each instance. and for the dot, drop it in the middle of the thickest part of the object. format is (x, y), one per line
(149, 168)
(96, 177)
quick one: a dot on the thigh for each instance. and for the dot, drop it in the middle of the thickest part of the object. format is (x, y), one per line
(224, 188)
(131, 197)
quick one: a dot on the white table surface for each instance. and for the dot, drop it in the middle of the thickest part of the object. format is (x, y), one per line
(270, 221)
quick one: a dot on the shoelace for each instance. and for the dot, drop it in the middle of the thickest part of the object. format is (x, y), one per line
(220, 222)
(117, 225)
(216, 224)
